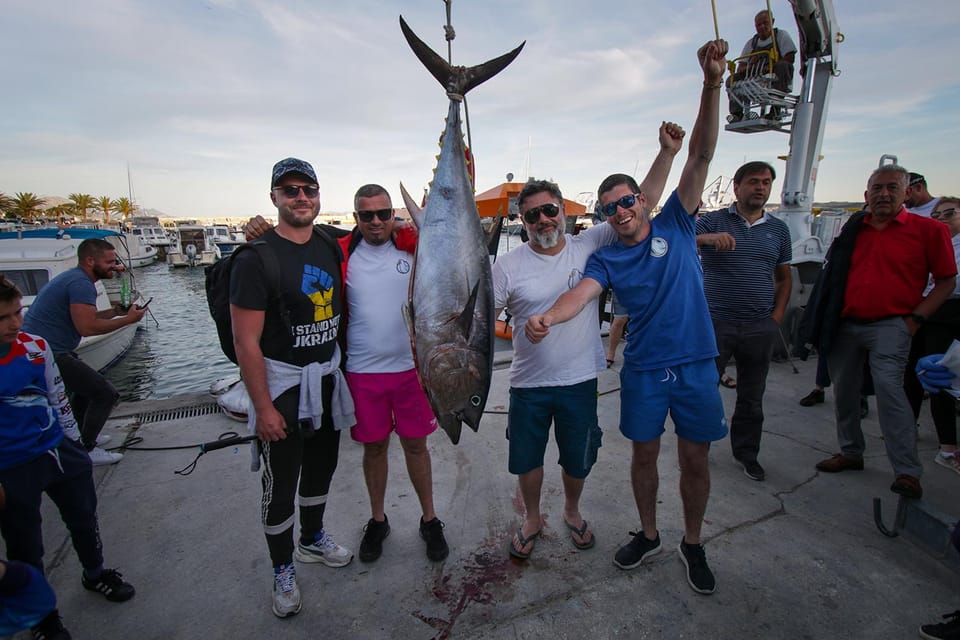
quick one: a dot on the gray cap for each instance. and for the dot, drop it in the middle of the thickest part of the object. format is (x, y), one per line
(292, 165)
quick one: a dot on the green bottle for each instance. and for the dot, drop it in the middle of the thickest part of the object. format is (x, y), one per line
(125, 290)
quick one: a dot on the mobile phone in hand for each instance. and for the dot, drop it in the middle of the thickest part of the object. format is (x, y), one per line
(145, 304)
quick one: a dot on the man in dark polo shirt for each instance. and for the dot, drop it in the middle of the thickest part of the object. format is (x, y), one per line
(870, 306)
(746, 258)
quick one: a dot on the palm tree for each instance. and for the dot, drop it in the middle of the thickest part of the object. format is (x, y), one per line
(6, 205)
(26, 204)
(124, 207)
(62, 211)
(106, 205)
(82, 202)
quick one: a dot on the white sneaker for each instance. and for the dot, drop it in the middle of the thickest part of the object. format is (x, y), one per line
(286, 593)
(324, 550)
(100, 457)
(948, 460)
(103, 439)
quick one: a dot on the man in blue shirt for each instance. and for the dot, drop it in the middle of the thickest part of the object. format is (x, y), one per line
(746, 258)
(669, 363)
(66, 310)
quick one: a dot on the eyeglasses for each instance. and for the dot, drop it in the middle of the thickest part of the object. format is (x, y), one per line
(550, 210)
(944, 214)
(382, 214)
(625, 202)
(292, 190)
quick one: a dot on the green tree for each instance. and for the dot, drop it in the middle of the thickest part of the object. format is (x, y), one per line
(6, 205)
(106, 205)
(26, 205)
(62, 211)
(82, 202)
(124, 207)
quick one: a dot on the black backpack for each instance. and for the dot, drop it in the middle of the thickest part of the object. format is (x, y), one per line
(217, 284)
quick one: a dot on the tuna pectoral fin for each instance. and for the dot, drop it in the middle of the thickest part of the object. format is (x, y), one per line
(451, 78)
(416, 213)
(465, 320)
(493, 234)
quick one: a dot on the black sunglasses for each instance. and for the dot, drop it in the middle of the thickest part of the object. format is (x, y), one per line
(382, 214)
(292, 190)
(550, 210)
(944, 214)
(625, 202)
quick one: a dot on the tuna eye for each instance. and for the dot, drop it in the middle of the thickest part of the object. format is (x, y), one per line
(475, 401)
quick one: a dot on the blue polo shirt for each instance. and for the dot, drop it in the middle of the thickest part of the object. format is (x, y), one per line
(739, 284)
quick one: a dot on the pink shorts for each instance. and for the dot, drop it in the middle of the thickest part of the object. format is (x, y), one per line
(390, 401)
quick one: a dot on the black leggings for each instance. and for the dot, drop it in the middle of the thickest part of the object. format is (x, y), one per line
(311, 460)
(935, 336)
(92, 397)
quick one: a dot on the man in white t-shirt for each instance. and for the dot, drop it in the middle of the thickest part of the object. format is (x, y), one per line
(557, 382)
(918, 199)
(380, 370)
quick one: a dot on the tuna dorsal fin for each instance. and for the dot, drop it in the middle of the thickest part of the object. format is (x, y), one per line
(416, 213)
(465, 319)
(456, 79)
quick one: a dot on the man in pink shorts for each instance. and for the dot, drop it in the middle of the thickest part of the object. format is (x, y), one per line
(380, 369)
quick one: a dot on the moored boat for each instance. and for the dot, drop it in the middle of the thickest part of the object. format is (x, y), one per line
(31, 262)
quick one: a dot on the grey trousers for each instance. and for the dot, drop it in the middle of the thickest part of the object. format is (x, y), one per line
(885, 345)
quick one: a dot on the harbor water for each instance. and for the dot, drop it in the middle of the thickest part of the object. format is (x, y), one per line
(176, 350)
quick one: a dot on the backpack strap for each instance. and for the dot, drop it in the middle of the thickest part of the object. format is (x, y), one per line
(271, 268)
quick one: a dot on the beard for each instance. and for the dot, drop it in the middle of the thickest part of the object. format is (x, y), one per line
(548, 239)
(296, 218)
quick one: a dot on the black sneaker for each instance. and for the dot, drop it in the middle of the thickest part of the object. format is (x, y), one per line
(949, 630)
(698, 573)
(110, 583)
(50, 628)
(752, 469)
(371, 546)
(630, 555)
(432, 532)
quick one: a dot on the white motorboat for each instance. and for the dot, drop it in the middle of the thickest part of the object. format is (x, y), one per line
(148, 228)
(31, 262)
(193, 248)
(225, 240)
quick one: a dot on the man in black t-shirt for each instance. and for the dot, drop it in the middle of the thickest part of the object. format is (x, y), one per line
(291, 368)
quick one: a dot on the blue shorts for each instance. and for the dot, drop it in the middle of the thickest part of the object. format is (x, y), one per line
(688, 391)
(573, 409)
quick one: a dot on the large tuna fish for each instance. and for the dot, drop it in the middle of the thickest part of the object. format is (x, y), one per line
(450, 311)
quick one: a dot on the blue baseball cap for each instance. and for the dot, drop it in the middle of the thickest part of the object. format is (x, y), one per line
(292, 165)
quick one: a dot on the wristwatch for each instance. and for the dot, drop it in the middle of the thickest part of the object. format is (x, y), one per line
(916, 317)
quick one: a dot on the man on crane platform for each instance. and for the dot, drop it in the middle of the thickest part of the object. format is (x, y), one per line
(784, 52)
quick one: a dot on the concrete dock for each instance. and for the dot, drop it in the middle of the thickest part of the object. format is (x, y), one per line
(796, 556)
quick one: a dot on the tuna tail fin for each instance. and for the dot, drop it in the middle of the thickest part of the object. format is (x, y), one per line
(416, 213)
(458, 80)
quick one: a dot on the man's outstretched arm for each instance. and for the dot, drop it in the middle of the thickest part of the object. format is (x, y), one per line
(671, 139)
(567, 306)
(703, 138)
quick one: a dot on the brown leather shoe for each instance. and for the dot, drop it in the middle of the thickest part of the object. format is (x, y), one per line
(840, 462)
(907, 486)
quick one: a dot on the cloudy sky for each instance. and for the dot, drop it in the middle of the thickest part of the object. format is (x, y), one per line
(200, 98)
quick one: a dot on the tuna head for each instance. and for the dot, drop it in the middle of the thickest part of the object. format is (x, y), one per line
(459, 383)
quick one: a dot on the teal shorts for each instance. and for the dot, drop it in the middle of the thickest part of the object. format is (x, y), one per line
(573, 411)
(688, 392)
